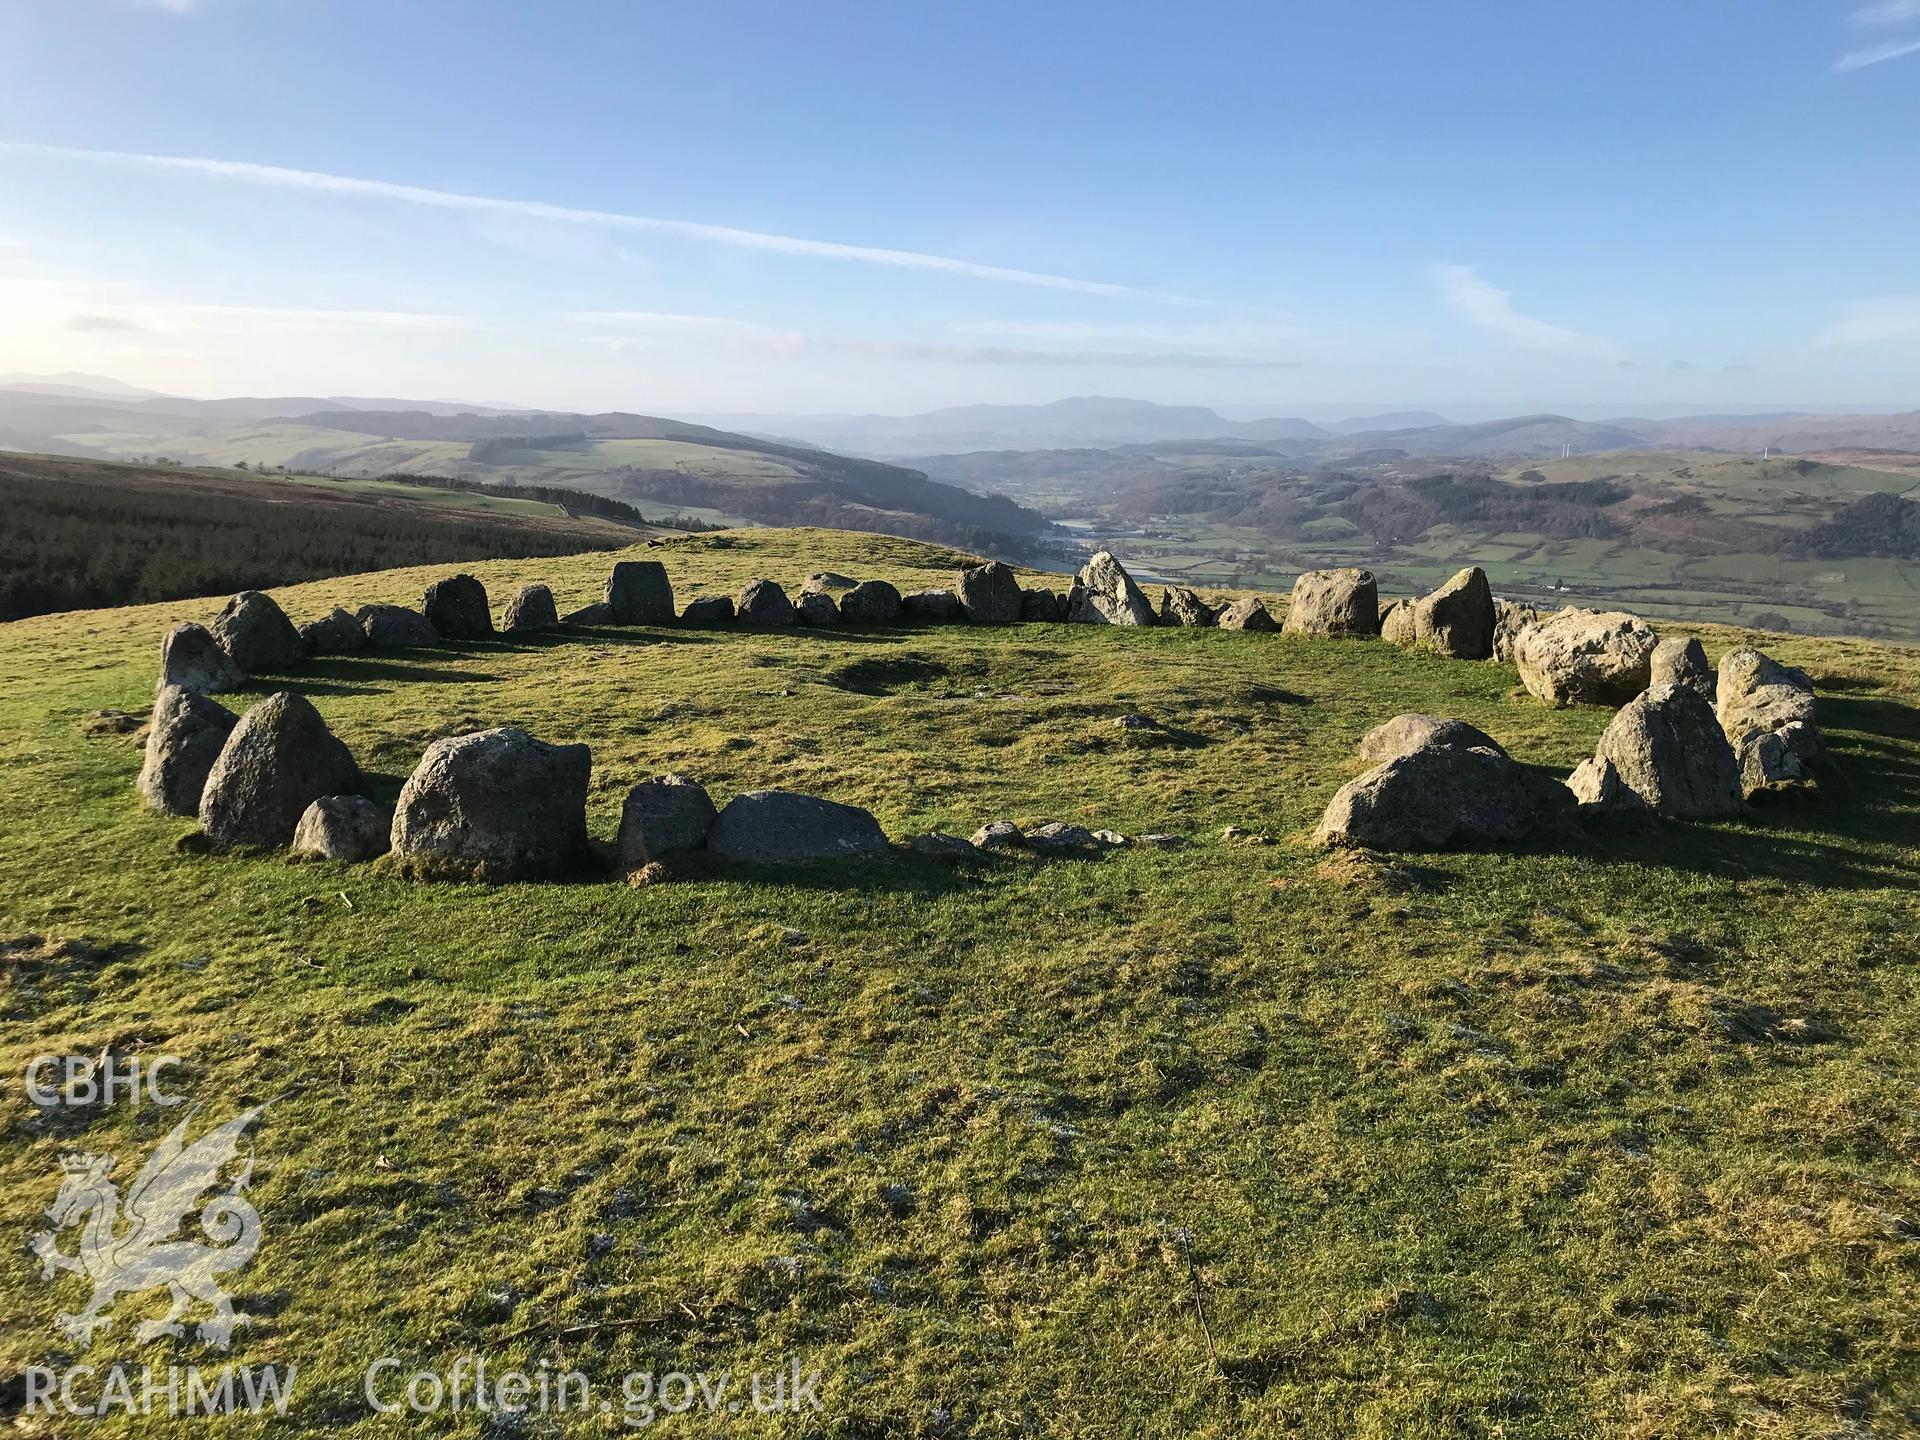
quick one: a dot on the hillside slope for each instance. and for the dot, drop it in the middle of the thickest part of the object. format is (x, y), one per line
(1616, 1138)
(82, 533)
(642, 459)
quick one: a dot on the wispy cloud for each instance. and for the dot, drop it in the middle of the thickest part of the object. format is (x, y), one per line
(668, 325)
(1491, 309)
(1876, 55)
(88, 323)
(1886, 13)
(1870, 322)
(280, 177)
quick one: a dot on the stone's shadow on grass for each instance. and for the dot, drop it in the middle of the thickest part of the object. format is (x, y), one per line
(884, 676)
(349, 675)
(1270, 695)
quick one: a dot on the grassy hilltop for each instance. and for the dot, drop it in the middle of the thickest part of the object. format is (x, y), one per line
(1238, 1139)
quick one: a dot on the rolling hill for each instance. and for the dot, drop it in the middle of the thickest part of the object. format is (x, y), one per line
(706, 473)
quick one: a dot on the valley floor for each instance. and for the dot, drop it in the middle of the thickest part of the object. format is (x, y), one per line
(1613, 1138)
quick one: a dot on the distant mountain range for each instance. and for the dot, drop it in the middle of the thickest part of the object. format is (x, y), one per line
(1101, 423)
(97, 416)
(1084, 422)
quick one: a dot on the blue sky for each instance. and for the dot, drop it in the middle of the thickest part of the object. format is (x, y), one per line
(1270, 208)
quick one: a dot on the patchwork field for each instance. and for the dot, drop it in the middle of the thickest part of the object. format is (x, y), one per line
(1703, 575)
(1618, 1137)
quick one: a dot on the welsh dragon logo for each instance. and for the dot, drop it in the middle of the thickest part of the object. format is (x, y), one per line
(127, 1250)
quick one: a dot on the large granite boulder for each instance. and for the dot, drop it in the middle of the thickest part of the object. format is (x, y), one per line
(1664, 751)
(350, 828)
(930, 607)
(599, 613)
(816, 607)
(192, 659)
(1767, 711)
(828, 581)
(186, 736)
(777, 827)
(1404, 734)
(1457, 619)
(530, 609)
(457, 608)
(1108, 596)
(1441, 795)
(495, 805)
(640, 593)
(257, 636)
(338, 632)
(1247, 614)
(1334, 602)
(1510, 617)
(1678, 661)
(990, 594)
(278, 760)
(764, 603)
(1039, 605)
(1586, 657)
(709, 610)
(395, 627)
(1181, 606)
(871, 602)
(660, 817)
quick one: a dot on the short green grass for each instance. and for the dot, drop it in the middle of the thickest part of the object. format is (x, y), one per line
(1616, 1138)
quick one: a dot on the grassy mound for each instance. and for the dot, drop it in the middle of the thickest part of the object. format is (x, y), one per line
(1240, 1138)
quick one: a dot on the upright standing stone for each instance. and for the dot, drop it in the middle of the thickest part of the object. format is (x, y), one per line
(871, 602)
(191, 658)
(532, 608)
(278, 760)
(395, 627)
(1108, 595)
(257, 636)
(1396, 622)
(931, 607)
(990, 594)
(342, 827)
(1247, 614)
(1334, 602)
(1682, 662)
(660, 817)
(816, 607)
(1510, 617)
(335, 633)
(640, 593)
(1041, 606)
(1666, 749)
(1768, 713)
(457, 608)
(764, 603)
(186, 737)
(1181, 606)
(1457, 619)
(496, 805)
